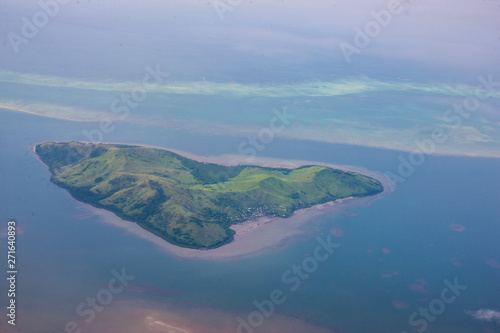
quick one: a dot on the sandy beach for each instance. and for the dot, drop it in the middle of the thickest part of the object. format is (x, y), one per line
(254, 236)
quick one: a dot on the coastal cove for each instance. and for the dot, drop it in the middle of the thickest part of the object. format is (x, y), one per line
(256, 235)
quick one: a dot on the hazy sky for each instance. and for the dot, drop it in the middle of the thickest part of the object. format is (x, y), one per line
(111, 38)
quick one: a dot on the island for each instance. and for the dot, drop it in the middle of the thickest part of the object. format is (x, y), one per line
(186, 202)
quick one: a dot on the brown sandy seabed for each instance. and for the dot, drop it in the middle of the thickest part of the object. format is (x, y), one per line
(145, 316)
(252, 237)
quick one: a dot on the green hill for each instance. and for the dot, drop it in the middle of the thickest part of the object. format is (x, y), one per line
(189, 203)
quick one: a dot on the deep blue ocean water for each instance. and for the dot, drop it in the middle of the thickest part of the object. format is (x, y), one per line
(395, 255)
(393, 258)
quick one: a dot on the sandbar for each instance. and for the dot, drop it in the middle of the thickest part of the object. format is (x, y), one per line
(253, 236)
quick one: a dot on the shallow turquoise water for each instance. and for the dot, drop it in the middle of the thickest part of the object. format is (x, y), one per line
(65, 257)
(394, 255)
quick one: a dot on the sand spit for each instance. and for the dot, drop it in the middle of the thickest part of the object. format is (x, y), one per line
(253, 236)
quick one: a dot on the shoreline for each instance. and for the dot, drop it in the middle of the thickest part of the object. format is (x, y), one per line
(254, 236)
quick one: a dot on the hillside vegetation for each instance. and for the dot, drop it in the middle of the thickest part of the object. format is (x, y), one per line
(189, 203)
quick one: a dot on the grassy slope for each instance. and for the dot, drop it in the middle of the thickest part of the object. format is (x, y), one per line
(186, 202)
